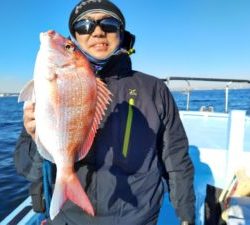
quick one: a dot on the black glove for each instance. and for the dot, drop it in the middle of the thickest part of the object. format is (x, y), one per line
(186, 223)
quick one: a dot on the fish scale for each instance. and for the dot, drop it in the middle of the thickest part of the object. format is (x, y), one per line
(70, 103)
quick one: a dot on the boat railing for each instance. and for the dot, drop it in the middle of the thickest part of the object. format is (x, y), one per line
(189, 89)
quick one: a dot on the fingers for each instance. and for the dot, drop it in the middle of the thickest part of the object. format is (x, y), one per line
(30, 126)
(28, 105)
(29, 118)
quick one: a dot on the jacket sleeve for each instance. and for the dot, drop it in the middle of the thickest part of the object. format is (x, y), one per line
(27, 160)
(177, 164)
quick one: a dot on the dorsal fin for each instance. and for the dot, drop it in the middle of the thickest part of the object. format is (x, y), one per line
(103, 99)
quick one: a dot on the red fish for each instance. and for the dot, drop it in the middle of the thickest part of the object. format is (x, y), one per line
(70, 103)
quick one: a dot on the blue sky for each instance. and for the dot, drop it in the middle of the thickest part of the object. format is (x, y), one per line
(205, 38)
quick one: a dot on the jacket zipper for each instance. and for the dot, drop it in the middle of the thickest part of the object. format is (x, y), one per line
(128, 127)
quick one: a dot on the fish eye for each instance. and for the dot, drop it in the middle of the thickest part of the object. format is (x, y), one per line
(69, 47)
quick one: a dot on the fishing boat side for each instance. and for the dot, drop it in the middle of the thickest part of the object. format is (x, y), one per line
(23, 214)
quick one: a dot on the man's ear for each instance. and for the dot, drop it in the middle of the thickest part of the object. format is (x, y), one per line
(128, 40)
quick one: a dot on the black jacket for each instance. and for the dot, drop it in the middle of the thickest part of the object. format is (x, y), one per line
(140, 143)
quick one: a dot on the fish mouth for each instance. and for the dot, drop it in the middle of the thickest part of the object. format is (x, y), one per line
(46, 40)
(46, 35)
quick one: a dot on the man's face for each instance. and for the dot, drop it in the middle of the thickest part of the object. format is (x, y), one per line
(99, 44)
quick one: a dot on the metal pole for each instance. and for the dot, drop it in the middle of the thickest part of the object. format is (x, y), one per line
(226, 96)
(188, 95)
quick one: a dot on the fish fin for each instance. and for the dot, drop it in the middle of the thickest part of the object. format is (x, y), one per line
(69, 187)
(42, 150)
(58, 198)
(76, 194)
(27, 92)
(103, 99)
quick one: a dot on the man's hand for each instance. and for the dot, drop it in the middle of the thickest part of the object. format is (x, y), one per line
(29, 118)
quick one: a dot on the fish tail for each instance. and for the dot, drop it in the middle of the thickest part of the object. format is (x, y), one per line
(71, 189)
(77, 195)
(58, 198)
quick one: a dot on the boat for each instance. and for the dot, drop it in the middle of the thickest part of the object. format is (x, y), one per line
(218, 145)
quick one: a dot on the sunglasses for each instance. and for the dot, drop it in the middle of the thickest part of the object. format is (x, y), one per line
(87, 26)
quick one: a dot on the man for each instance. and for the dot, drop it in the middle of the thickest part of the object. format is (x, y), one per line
(140, 143)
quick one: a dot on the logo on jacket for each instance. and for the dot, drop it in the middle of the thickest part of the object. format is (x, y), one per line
(132, 92)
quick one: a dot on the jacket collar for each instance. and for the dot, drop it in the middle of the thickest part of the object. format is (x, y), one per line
(117, 67)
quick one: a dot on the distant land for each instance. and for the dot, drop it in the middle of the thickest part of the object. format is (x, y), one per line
(8, 94)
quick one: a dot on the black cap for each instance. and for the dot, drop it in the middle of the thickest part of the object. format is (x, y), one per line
(86, 6)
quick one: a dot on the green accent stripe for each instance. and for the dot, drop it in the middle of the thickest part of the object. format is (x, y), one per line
(128, 127)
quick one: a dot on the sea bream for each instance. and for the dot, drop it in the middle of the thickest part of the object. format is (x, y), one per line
(69, 105)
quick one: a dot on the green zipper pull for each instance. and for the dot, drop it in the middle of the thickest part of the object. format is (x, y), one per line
(131, 103)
